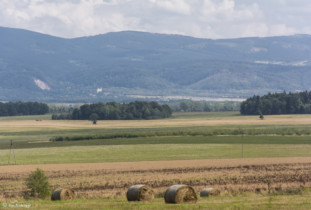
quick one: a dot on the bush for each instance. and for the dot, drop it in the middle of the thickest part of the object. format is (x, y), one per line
(38, 184)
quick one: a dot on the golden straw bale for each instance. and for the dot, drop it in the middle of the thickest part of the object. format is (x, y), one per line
(180, 194)
(63, 194)
(140, 192)
(209, 192)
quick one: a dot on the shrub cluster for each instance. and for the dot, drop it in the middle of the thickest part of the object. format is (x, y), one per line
(38, 184)
(185, 132)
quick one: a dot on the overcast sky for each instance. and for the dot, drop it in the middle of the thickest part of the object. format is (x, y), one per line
(198, 18)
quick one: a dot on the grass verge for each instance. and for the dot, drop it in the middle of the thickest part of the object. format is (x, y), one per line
(239, 202)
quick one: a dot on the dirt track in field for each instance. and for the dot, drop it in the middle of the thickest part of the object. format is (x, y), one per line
(230, 176)
(151, 165)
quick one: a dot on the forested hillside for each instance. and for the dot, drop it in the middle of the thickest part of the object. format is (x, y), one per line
(278, 103)
(129, 65)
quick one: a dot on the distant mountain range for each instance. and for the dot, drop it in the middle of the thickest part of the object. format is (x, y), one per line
(129, 65)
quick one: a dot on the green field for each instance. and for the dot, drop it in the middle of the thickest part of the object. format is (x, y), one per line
(122, 153)
(217, 135)
(161, 148)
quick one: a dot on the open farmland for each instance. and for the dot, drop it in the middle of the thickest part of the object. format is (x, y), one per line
(242, 156)
(233, 177)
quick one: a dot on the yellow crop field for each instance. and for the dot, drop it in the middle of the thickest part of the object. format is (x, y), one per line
(178, 120)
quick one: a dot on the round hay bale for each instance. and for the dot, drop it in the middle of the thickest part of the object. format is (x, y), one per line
(209, 192)
(180, 194)
(63, 194)
(139, 192)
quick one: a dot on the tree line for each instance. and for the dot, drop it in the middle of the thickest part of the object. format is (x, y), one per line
(117, 111)
(23, 108)
(278, 103)
(203, 106)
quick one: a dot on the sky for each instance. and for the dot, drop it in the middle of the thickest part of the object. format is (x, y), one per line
(215, 19)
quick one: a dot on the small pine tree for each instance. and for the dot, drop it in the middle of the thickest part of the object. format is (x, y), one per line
(38, 184)
(261, 116)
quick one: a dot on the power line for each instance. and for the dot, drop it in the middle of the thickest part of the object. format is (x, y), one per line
(11, 150)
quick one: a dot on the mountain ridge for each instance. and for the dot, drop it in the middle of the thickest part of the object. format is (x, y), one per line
(118, 65)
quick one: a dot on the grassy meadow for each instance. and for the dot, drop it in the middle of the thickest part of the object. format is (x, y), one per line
(157, 152)
(184, 136)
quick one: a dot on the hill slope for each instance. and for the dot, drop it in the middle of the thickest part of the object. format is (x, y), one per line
(116, 66)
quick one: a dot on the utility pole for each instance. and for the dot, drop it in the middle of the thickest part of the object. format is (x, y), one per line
(242, 146)
(11, 150)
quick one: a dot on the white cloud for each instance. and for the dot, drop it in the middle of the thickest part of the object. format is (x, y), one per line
(225, 7)
(200, 18)
(282, 29)
(177, 6)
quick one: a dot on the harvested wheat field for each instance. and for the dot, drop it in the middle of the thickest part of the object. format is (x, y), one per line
(204, 120)
(230, 176)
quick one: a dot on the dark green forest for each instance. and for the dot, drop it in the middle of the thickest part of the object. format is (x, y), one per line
(203, 106)
(117, 111)
(23, 108)
(278, 103)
